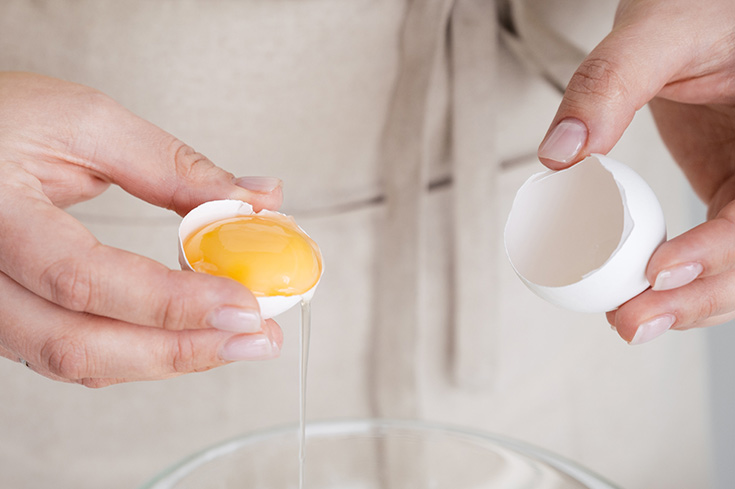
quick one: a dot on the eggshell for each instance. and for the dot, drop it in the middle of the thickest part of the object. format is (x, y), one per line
(216, 210)
(581, 238)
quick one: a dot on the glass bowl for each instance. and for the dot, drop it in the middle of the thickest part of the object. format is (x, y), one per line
(376, 454)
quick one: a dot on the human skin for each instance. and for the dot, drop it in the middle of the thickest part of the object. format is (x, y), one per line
(679, 57)
(79, 311)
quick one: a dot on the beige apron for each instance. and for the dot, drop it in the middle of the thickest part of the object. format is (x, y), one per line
(401, 130)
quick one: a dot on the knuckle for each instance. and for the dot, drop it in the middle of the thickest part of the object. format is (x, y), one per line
(708, 307)
(183, 357)
(173, 315)
(65, 358)
(91, 107)
(188, 161)
(191, 166)
(70, 282)
(597, 77)
(176, 311)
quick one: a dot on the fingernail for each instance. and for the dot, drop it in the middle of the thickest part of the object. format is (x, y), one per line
(564, 141)
(677, 276)
(249, 347)
(259, 184)
(235, 319)
(653, 328)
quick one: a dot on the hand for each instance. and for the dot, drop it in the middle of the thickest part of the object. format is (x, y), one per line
(76, 310)
(680, 56)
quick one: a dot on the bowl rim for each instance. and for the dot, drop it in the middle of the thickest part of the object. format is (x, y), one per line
(345, 426)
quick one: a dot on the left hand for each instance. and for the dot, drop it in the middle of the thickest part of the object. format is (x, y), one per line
(76, 310)
(680, 56)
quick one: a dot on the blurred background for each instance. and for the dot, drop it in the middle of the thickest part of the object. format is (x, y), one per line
(401, 130)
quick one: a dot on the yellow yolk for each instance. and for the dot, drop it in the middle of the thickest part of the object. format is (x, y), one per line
(269, 255)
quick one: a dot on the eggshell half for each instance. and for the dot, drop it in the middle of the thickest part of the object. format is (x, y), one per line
(217, 210)
(581, 238)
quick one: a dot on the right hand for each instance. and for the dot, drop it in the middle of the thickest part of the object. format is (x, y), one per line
(680, 56)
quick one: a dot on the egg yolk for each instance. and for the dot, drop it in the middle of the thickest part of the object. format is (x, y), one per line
(269, 255)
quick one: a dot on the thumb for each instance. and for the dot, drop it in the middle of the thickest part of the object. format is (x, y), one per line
(91, 130)
(625, 71)
(157, 167)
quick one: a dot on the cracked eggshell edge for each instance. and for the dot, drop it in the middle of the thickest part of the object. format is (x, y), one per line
(216, 210)
(623, 275)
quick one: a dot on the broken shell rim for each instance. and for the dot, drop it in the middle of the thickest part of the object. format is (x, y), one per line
(216, 210)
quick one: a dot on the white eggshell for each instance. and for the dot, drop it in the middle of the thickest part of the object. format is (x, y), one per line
(217, 210)
(581, 238)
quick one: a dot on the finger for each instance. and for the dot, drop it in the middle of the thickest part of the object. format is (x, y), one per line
(90, 130)
(14, 357)
(699, 138)
(47, 251)
(626, 70)
(652, 313)
(5, 353)
(97, 356)
(704, 251)
(713, 320)
(155, 166)
(78, 369)
(83, 348)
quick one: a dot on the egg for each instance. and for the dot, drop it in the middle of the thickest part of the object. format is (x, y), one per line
(581, 238)
(265, 251)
